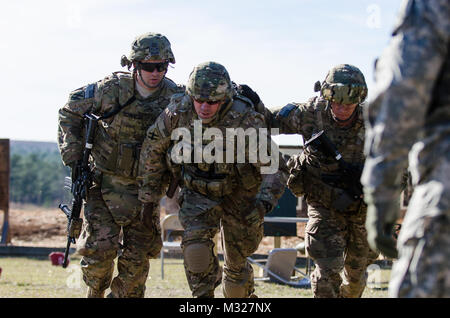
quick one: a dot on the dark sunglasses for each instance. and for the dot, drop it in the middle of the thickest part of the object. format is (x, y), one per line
(150, 67)
(209, 102)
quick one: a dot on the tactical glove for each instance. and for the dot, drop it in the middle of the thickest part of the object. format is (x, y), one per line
(380, 225)
(75, 228)
(73, 169)
(256, 216)
(246, 91)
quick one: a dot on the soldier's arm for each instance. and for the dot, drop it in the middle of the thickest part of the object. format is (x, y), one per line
(295, 118)
(271, 165)
(152, 163)
(405, 77)
(70, 123)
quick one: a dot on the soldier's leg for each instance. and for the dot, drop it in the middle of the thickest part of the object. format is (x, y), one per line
(358, 256)
(422, 269)
(98, 244)
(325, 243)
(239, 241)
(200, 218)
(140, 241)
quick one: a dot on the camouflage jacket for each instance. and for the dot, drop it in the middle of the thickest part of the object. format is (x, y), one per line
(119, 138)
(215, 179)
(313, 173)
(408, 120)
(315, 115)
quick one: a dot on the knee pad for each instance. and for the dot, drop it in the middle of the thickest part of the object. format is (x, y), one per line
(234, 290)
(197, 257)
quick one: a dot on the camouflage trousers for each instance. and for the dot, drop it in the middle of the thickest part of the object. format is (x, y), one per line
(111, 213)
(202, 218)
(337, 242)
(423, 268)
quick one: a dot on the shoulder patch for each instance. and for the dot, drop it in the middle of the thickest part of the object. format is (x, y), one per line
(285, 111)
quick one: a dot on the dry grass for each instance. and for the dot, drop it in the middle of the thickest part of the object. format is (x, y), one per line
(32, 277)
(37, 278)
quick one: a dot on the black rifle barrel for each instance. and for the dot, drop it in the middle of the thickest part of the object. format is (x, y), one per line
(82, 182)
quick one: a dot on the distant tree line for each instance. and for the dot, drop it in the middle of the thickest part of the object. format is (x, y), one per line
(37, 178)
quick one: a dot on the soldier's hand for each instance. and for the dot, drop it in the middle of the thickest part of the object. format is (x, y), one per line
(249, 93)
(75, 227)
(147, 214)
(256, 215)
(380, 225)
(73, 170)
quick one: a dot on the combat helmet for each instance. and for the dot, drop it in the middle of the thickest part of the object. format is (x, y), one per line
(149, 46)
(210, 81)
(344, 84)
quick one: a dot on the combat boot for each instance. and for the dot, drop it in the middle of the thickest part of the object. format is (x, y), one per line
(94, 293)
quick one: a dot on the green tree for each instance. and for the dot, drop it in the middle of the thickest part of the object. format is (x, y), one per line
(37, 178)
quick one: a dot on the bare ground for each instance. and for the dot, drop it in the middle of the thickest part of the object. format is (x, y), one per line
(46, 227)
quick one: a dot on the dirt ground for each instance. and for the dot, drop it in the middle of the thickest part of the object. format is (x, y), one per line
(46, 227)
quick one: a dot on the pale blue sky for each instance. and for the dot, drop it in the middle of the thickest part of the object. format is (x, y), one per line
(280, 48)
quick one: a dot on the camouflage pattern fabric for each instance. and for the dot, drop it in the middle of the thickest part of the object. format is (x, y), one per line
(149, 46)
(209, 81)
(334, 239)
(202, 218)
(112, 204)
(409, 122)
(337, 243)
(213, 202)
(344, 84)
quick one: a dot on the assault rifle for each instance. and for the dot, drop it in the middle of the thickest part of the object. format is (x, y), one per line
(80, 183)
(351, 174)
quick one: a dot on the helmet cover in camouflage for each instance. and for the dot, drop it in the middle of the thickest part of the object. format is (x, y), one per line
(344, 84)
(209, 81)
(149, 46)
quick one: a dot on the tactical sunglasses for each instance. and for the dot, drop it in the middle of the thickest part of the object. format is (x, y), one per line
(209, 102)
(150, 67)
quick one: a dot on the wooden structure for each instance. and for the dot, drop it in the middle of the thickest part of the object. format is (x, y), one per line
(4, 190)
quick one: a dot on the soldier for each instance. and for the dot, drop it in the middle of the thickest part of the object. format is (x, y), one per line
(230, 195)
(335, 236)
(410, 113)
(130, 103)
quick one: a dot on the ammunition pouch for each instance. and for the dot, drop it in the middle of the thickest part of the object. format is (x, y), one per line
(204, 180)
(128, 159)
(123, 158)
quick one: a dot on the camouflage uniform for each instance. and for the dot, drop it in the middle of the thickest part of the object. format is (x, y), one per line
(214, 195)
(112, 203)
(335, 236)
(410, 116)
